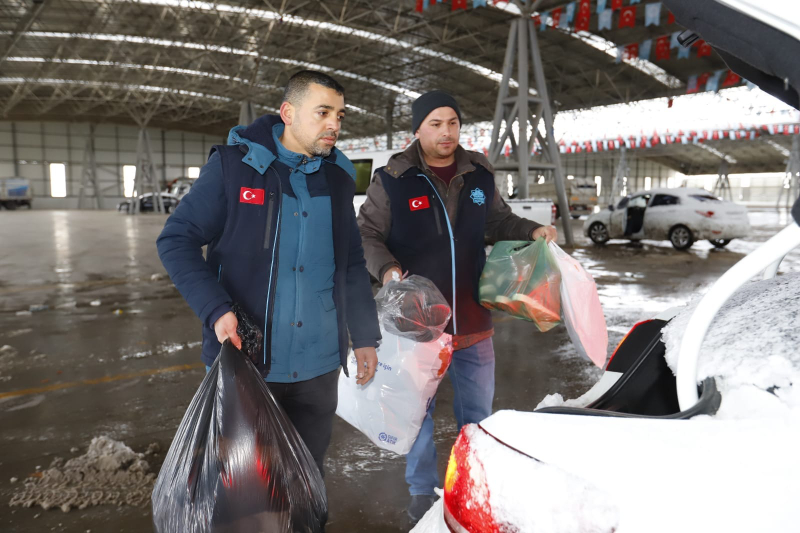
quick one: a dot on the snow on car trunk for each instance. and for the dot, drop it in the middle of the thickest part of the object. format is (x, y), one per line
(666, 476)
(751, 348)
(491, 488)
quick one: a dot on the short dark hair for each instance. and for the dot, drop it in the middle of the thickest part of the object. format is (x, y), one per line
(299, 82)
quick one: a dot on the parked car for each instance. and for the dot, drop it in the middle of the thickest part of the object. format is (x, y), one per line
(692, 427)
(15, 192)
(146, 203)
(682, 216)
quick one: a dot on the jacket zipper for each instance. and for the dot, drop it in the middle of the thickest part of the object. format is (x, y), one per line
(270, 208)
(452, 250)
(275, 245)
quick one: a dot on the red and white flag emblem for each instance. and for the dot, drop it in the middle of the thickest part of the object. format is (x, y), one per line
(418, 203)
(251, 196)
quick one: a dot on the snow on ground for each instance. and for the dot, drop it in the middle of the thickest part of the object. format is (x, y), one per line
(751, 348)
(108, 473)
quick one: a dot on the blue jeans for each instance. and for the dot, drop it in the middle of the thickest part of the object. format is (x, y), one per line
(472, 375)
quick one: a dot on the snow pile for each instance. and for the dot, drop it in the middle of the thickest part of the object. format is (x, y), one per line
(528, 495)
(751, 348)
(109, 473)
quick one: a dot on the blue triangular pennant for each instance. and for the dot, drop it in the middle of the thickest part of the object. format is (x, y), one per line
(652, 14)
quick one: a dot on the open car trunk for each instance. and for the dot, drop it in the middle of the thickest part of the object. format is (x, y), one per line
(758, 39)
(641, 383)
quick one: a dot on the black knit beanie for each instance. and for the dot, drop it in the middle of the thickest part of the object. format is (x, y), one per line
(425, 104)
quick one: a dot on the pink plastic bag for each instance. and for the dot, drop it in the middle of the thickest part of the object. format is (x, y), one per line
(580, 305)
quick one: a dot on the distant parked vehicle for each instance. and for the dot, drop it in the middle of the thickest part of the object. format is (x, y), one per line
(683, 216)
(366, 164)
(180, 187)
(15, 192)
(581, 195)
(146, 203)
(539, 210)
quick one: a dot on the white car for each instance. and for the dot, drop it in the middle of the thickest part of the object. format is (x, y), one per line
(682, 216)
(693, 427)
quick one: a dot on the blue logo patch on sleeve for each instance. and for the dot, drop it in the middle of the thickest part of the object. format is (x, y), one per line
(477, 196)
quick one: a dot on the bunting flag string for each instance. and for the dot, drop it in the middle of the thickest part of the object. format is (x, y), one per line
(575, 16)
(681, 137)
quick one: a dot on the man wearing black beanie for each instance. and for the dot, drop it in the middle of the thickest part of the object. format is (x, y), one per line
(429, 211)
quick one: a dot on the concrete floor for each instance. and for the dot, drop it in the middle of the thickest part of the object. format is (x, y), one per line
(141, 338)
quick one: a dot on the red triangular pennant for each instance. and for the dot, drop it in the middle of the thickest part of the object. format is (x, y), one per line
(585, 8)
(631, 51)
(670, 18)
(704, 50)
(582, 23)
(731, 79)
(555, 16)
(627, 17)
(662, 48)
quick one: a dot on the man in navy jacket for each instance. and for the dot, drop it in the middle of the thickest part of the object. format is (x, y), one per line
(275, 208)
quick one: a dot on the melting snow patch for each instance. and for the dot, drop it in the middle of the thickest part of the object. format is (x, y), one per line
(108, 473)
(18, 332)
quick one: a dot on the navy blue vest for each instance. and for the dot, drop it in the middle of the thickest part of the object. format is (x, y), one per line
(425, 242)
(246, 253)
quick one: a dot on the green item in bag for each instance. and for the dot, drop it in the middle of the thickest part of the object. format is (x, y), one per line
(521, 278)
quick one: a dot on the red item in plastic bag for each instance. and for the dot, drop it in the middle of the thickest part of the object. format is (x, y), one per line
(237, 465)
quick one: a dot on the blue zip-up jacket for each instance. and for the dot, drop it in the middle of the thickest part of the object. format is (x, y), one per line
(235, 208)
(304, 327)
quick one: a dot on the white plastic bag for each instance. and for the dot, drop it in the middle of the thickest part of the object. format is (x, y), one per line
(580, 306)
(390, 408)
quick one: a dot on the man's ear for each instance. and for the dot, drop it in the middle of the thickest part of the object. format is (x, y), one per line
(416, 134)
(287, 113)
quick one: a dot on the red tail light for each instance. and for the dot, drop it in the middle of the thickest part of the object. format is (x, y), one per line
(466, 495)
(707, 214)
(624, 339)
(553, 215)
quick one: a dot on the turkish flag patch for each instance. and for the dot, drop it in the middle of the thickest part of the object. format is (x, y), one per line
(421, 202)
(251, 196)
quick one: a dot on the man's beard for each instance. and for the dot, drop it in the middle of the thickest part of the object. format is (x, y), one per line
(317, 149)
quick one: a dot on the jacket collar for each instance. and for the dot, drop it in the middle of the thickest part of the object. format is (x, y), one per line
(411, 161)
(260, 149)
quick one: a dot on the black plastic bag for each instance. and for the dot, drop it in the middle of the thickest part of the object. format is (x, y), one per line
(249, 333)
(237, 465)
(413, 308)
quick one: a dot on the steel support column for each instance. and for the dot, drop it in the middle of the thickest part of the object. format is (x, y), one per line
(14, 148)
(723, 186)
(247, 113)
(790, 189)
(619, 177)
(523, 112)
(89, 173)
(145, 175)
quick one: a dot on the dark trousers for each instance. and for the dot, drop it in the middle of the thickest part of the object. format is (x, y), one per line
(311, 405)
